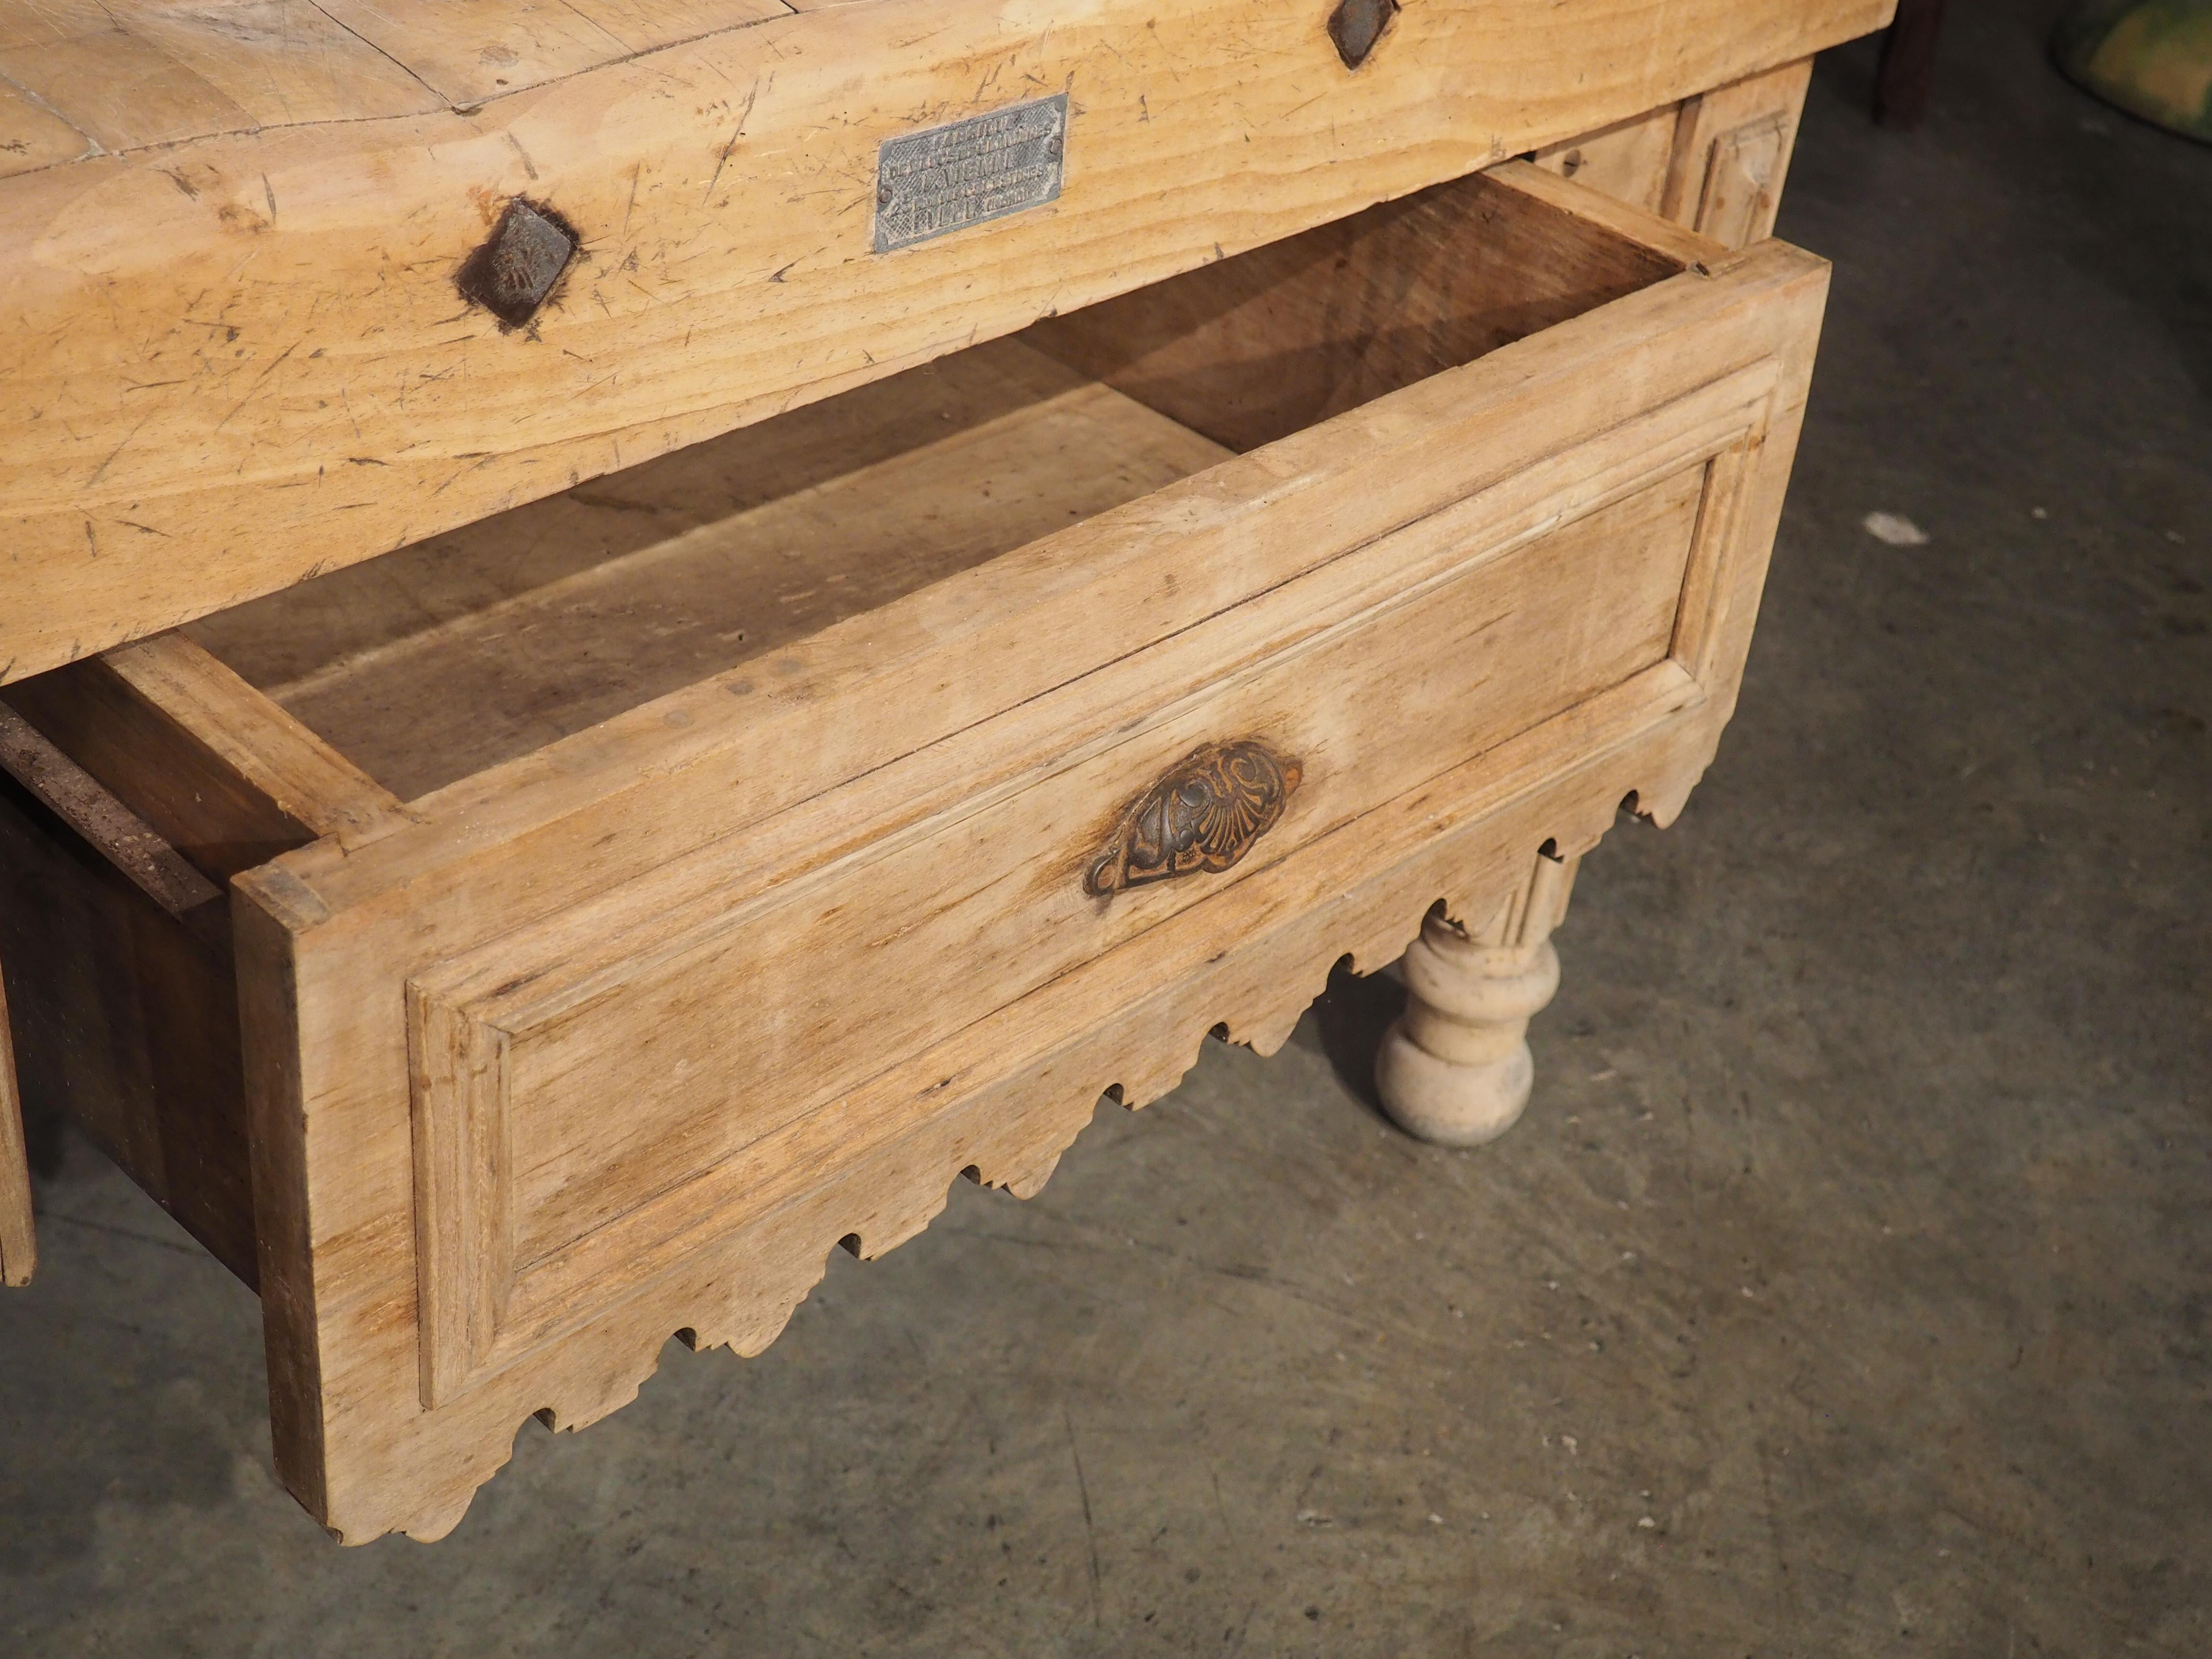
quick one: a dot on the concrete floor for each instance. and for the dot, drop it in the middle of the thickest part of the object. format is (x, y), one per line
(1848, 1291)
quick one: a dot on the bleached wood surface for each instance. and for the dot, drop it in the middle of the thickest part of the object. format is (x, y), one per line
(232, 353)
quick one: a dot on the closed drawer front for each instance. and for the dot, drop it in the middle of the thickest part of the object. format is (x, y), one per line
(708, 864)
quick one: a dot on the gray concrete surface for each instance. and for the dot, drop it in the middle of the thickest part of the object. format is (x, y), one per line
(1845, 1293)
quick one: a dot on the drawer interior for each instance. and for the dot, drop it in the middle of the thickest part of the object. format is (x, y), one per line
(472, 647)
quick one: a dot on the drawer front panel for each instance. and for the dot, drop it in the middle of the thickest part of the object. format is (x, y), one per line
(569, 1084)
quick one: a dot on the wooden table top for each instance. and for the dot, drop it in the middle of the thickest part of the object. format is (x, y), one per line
(236, 347)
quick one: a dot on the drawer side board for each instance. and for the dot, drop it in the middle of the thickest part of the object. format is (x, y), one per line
(142, 781)
(124, 1015)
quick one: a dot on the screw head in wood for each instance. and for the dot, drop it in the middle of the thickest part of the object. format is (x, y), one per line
(514, 270)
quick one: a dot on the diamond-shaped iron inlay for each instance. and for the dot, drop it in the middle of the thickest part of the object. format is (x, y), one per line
(1357, 24)
(516, 268)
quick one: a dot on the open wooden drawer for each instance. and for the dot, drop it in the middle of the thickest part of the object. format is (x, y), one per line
(639, 893)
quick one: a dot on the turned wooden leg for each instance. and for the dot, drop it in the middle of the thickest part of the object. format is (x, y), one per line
(1456, 1067)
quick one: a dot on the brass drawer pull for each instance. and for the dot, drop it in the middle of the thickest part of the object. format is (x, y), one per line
(1202, 815)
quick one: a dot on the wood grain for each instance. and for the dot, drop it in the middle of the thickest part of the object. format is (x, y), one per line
(215, 770)
(496, 638)
(33, 137)
(118, 835)
(1628, 160)
(1732, 150)
(121, 940)
(1253, 349)
(1715, 162)
(478, 52)
(132, 73)
(240, 360)
(125, 1016)
(247, 749)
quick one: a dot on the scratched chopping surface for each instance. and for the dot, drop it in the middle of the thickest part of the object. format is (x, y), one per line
(81, 77)
(1856, 1240)
(289, 286)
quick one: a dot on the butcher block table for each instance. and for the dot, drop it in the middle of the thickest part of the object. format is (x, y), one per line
(633, 633)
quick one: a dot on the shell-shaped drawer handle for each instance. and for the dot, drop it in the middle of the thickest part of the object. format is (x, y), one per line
(1203, 815)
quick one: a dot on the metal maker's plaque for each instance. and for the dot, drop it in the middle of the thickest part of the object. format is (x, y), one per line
(945, 178)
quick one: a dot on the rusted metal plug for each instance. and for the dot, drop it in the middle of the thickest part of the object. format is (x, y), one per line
(1357, 24)
(513, 272)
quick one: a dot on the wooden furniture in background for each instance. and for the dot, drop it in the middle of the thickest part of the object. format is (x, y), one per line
(1905, 73)
(1067, 637)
